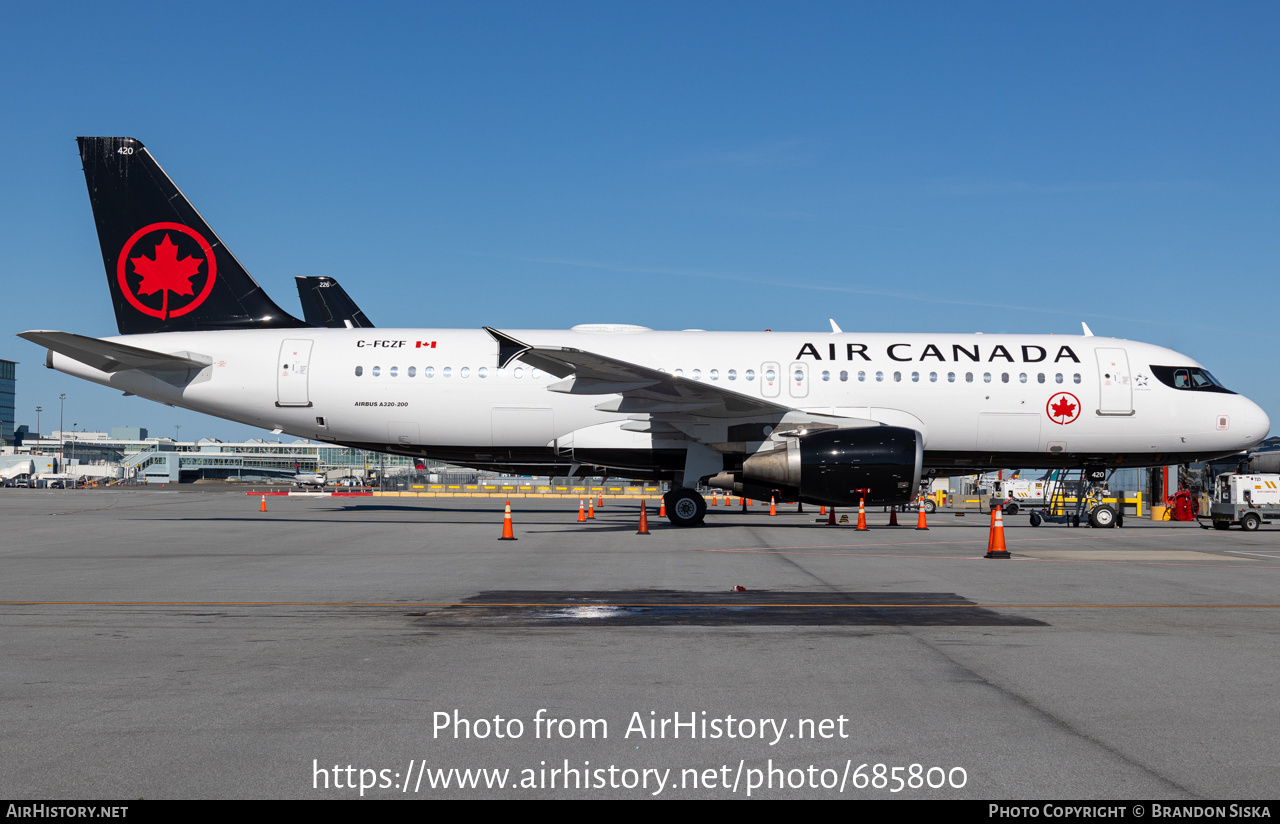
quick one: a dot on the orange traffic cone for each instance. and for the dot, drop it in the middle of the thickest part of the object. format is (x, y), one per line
(997, 548)
(921, 523)
(582, 510)
(662, 508)
(600, 502)
(508, 534)
(991, 533)
(591, 510)
(773, 505)
(727, 502)
(644, 520)
(263, 508)
(831, 516)
(893, 516)
(862, 513)
(799, 507)
(822, 510)
(715, 500)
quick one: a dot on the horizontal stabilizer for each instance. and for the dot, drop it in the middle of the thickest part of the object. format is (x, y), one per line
(108, 356)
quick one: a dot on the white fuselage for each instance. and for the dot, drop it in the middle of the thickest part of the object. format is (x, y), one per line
(978, 400)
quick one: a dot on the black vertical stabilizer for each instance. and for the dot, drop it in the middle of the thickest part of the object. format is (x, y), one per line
(167, 270)
(325, 303)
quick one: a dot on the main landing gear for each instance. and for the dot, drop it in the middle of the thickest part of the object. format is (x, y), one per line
(685, 507)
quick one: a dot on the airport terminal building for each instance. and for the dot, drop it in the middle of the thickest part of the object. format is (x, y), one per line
(128, 454)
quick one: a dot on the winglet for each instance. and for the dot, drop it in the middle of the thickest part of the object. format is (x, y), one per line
(835, 330)
(1088, 333)
(508, 347)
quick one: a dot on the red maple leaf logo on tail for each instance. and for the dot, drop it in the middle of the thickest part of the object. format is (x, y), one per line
(166, 271)
(1063, 409)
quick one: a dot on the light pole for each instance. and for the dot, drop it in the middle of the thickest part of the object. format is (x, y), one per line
(61, 438)
(39, 409)
(176, 427)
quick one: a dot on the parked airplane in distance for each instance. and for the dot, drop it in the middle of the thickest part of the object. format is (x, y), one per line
(823, 418)
(325, 303)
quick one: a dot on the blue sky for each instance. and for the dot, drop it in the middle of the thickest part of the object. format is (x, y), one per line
(958, 167)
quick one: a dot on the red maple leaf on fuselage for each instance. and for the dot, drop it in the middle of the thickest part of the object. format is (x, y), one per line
(166, 271)
(1063, 409)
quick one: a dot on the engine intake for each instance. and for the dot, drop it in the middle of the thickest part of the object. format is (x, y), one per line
(880, 464)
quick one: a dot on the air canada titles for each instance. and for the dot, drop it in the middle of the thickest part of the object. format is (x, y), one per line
(945, 353)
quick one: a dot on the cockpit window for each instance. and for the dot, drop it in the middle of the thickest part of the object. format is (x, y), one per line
(1191, 378)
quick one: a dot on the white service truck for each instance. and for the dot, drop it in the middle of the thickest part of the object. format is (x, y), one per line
(1019, 492)
(1246, 500)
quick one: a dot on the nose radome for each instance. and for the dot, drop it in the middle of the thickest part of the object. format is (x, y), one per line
(1255, 424)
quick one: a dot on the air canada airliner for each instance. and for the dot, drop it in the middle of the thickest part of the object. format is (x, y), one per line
(828, 418)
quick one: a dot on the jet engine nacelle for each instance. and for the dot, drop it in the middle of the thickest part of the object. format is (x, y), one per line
(880, 464)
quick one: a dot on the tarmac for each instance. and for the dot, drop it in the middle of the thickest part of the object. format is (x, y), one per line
(183, 644)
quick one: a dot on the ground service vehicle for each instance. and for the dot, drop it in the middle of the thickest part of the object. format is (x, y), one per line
(1246, 500)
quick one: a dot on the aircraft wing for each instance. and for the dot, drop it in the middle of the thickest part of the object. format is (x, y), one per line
(644, 390)
(109, 356)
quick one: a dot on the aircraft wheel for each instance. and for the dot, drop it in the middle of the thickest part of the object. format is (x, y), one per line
(1102, 517)
(1250, 522)
(685, 507)
(1035, 518)
(930, 506)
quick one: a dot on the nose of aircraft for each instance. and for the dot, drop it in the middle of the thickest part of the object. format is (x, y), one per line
(1254, 424)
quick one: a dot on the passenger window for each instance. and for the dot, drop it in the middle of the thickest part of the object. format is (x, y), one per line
(986, 377)
(844, 376)
(751, 374)
(826, 376)
(732, 374)
(464, 372)
(447, 372)
(535, 373)
(798, 375)
(862, 376)
(679, 373)
(1040, 377)
(429, 372)
(714, 374)
(413, 370)
(968, 377)
(915, 377)
(696, 374)
(879, 376)
(897, 377)
(1022, 378)
(518, 372)
(770, 375)
(377, 370)
(359, 371)
(1076, 378)
(1057, 378)
(1004, 377)
(482, 372)
(951, 377)
(933, 377)
(393, 371)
